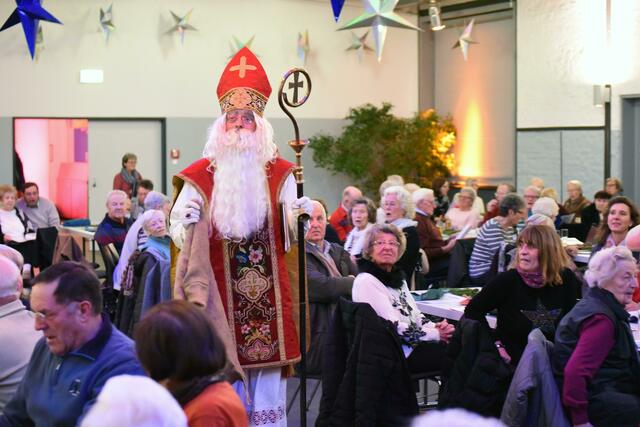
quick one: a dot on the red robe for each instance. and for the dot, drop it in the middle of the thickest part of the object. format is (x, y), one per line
(252, 277)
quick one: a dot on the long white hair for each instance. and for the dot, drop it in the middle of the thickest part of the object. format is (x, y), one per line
(240, 197)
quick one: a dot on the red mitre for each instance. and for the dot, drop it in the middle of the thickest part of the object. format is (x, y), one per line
(244, 84)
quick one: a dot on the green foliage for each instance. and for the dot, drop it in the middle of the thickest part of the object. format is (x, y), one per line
(377, 144)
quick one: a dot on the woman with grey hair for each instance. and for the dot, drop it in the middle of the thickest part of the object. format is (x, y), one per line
(399, 211)
(546, 206)
(595, 357)
(383, 285)
(362, 215)
(136, 236)
(462, 213)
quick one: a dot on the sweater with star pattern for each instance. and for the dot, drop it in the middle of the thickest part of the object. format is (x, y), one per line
(521, 308)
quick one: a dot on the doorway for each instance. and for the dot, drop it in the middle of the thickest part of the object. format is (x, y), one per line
(631, 146)
(74, 161)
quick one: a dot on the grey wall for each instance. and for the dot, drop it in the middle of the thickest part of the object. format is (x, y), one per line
(558, 155)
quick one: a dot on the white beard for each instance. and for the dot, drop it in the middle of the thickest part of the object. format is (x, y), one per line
(240, 199)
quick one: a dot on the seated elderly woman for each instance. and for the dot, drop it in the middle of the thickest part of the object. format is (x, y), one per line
(383, 285)
(15, 228)
(595, 358)
(462, 213)
(546, 206)
(136, 236)
(621, 215)
(362, 215)
(399, 211)
(178, 347)
(537, 293)
(146, 280)
(576, 201)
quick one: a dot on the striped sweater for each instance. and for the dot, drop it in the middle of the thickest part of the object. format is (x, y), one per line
(488, 242)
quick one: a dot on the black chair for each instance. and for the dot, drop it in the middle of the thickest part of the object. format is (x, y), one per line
(110, 257)
(458, 276)
(46, 240)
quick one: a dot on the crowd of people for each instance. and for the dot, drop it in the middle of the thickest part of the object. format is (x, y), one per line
(196, 320)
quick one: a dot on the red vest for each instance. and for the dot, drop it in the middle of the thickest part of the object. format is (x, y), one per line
(252, 277)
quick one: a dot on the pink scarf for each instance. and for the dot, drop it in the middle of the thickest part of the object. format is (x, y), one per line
(532, 279)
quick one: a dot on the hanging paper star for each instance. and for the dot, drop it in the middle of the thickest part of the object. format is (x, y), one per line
(379, 15)
(39, 42)
(359, 44)
(181, 25)
(303, 46)
(336, 5)
(465, 40)
(106, 22)
(236, 45)
(29, 13)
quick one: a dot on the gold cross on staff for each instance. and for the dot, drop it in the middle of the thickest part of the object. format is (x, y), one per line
(242, 67)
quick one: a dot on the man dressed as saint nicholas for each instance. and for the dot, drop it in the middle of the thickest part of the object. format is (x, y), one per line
(231, 221)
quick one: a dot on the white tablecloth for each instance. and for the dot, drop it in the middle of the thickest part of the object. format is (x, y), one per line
(448, 307)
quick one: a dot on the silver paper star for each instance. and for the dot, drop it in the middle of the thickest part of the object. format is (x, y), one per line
(39, 42)
(106, 22)
(236, 45)
(181, 25)
(465, 40)
(359, 44)
(379, 15)
(303, 46)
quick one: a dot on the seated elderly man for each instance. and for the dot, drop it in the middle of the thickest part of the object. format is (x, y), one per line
(530, 195)
(576, 201)
(330, 272)
(493, 206)
(40, 211)
(339, 219)
(114, 226)
(17, 335)
(436, 249)
(145, 187)
(492, 234)
(79, 352)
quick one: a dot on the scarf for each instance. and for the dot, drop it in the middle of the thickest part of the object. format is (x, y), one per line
(131, 178)
(532, 279)
(158, 245)
(393, 279)
(325, 258)
(189, 390)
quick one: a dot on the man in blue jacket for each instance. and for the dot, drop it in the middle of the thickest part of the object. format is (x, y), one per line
(79, 352)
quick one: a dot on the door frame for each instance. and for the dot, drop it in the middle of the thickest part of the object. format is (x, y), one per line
(163, 136)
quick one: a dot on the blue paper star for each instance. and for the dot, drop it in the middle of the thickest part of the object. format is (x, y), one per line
(29, 13)
(336, 5)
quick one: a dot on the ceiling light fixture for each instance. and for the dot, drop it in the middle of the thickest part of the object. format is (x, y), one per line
(434, 17)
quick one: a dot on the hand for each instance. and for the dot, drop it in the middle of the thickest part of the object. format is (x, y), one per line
(465, 301)
(450, 244)
(190, 213)
(303, 205)
(7, 239)
(571, 251)
(493, 203)
(633, 306)
(505, 356)
(446, 330)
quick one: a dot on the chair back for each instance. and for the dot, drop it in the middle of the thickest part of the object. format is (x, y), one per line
(110, 257)
(533, 398)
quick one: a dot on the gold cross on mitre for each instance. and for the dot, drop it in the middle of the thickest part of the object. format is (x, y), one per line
(242, 67)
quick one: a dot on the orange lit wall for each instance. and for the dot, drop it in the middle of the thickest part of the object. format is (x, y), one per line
(480, 96)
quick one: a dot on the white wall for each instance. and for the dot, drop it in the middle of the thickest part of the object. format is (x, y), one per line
(149, 74)
(562, 53)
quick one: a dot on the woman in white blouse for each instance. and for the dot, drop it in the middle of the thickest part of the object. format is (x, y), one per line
(362, 216)
(14, 224)
(383, 286)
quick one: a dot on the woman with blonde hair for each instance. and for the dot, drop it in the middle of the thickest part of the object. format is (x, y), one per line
(537, 293)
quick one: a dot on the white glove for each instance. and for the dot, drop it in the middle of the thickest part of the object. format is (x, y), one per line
(190, 213)
(303, 205)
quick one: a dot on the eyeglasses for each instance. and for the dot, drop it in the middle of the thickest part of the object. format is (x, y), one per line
(45, 316)
(392, 243)
(246, 118)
